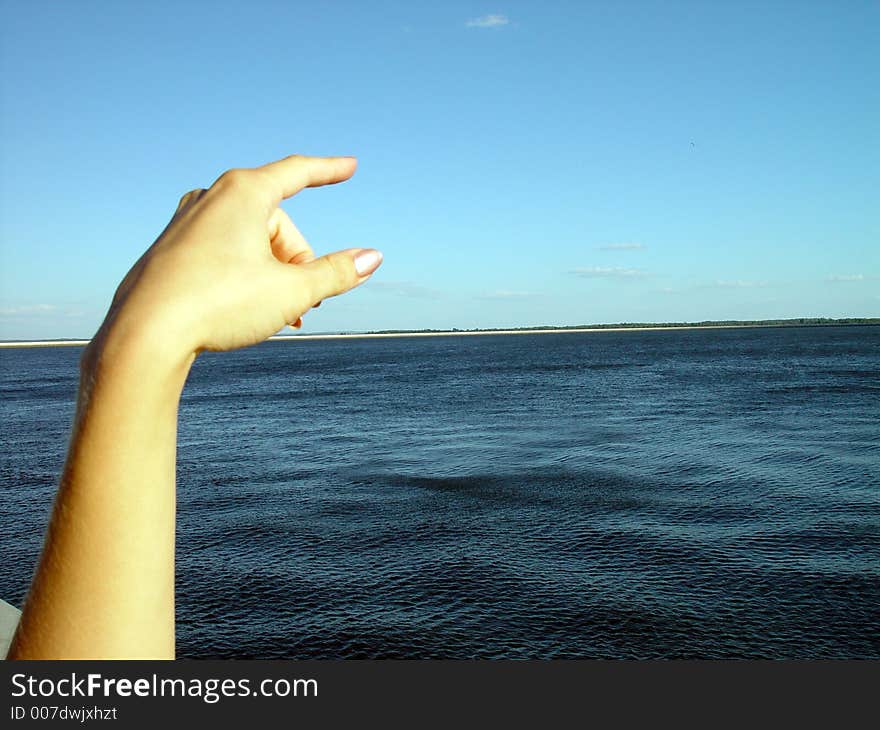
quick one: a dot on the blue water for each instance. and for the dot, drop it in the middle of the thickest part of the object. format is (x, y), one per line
(698, 493)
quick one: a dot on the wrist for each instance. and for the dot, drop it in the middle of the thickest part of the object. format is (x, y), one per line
(139, 350)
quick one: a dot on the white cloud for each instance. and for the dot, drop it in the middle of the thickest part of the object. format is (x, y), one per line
(27, 310)
(608, 272)
(740, 284)
(488, 21)
(623, 247)
(846, 277)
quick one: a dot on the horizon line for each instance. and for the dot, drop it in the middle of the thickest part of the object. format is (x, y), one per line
(617, 327)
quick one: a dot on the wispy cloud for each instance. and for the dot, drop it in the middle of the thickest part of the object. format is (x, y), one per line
(846, 277)
(622, 247)
(28, 310)
(608, 272)
(404, 289)
(488, 21)
(740, 284)
(506, 294)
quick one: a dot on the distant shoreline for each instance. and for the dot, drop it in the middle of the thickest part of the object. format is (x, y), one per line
(45, 343)
(622, 327)
(560, 330)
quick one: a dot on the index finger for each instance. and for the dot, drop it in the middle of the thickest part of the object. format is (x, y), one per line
(292, 174)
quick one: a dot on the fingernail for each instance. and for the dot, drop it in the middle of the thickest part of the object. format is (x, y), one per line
(367, 261)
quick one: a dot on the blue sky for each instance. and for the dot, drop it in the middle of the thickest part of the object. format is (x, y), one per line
(521, 163)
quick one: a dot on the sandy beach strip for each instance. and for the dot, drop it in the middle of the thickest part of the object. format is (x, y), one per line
(46, 343)
(449, 333)
(379, 335)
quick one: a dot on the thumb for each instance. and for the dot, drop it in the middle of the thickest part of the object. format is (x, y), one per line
(338, 272)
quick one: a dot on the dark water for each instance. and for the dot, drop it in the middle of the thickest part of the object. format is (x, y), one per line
(696, 493)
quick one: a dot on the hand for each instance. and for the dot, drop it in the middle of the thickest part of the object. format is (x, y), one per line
(228, 271)
(231, 269)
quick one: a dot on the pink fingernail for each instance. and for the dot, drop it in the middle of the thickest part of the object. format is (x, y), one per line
(367, 261)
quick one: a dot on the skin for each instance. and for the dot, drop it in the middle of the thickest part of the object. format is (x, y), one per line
(229, 270)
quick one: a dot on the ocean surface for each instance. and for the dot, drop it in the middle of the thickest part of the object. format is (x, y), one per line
(659, 494)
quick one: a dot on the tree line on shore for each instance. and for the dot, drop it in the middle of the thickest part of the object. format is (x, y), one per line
(797, 322)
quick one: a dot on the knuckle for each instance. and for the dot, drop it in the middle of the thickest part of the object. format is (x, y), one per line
(333, 277)
(236, 179)
(341, 271)
(190, 196)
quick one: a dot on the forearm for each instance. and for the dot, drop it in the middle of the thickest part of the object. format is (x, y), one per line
(229, 270)
(104, 586)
